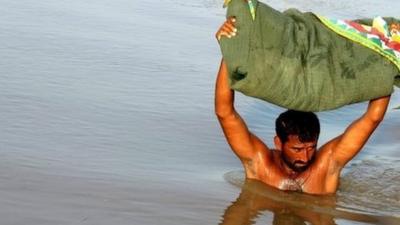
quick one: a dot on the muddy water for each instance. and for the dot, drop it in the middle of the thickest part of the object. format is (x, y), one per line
(106, 117)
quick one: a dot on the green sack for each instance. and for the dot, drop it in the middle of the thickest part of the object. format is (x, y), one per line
(292, 60)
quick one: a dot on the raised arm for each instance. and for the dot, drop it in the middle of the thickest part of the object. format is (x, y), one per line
(242, 141)
(347, 145)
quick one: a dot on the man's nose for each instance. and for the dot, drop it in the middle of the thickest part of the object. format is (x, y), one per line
(303, 156)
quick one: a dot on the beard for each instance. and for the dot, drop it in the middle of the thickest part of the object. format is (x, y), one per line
(297, 165)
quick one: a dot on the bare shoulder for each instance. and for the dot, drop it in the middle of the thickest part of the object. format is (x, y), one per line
(262, 150)
(262, 159)
(324, 157)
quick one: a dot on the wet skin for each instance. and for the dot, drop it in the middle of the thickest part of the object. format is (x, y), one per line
(289, 208)
(292, 165)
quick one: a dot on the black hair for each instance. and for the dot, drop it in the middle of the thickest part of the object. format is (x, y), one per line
(303, 124)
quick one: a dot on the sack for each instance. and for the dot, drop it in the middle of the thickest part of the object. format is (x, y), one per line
(292, 60)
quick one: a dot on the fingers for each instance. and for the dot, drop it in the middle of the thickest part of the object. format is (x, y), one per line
(230, 24)
(231, 19)
(228, 29)
(222, 34)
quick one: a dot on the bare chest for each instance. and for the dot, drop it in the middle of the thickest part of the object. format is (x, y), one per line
(291, 184)
(315, 180)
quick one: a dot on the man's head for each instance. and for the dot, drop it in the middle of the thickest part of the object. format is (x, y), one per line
(297, 135)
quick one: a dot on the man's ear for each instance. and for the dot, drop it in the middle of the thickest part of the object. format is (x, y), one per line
(278, 143)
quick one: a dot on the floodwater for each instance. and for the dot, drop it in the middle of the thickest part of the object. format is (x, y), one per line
(106, 117)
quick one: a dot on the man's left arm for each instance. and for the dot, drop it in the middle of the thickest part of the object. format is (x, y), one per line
(347, 145)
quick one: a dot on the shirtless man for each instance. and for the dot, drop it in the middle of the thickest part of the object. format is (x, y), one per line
(295, 163)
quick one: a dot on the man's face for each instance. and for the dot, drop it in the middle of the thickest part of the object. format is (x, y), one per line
(298, 155)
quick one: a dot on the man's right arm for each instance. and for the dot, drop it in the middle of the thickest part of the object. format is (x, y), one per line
(242, 141)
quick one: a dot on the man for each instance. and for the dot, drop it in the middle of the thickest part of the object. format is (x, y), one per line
(295, 163)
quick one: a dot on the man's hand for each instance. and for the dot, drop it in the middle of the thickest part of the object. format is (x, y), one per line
(227, 29)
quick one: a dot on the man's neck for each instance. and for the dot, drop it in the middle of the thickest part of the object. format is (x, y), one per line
(287, 170)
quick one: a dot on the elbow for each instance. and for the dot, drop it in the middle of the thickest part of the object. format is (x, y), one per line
(222, 113)
(377, 109)
(377, 115)
(376, 119)
(223, 110)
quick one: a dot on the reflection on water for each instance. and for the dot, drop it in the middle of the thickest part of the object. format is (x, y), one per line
(257, 199)
(287, 208)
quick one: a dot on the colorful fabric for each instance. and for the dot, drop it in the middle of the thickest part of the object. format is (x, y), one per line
(378, 37)
(249, 3)
(226, 2)
(252, 9)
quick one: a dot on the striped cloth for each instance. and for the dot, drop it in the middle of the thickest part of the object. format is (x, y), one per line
(379, 37)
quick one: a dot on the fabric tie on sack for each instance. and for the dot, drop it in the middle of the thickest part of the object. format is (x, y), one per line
(249, 3)
(293, 60)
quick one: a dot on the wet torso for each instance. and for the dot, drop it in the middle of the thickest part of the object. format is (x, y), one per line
(321, 177)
